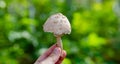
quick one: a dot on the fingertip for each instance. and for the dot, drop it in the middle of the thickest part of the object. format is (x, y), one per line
(46, 54)
(55, 55)
(57, 50)
(64, 53)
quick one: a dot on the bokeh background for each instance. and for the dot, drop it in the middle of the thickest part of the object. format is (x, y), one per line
(95, 36)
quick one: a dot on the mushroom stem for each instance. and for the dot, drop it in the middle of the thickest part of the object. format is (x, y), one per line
(59, 42)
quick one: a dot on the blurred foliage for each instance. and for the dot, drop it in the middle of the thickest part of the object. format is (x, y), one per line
(95, 37)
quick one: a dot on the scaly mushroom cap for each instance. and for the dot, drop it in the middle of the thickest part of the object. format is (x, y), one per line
(57, 24)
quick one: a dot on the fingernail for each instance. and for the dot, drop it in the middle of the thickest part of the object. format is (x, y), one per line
(56, 50)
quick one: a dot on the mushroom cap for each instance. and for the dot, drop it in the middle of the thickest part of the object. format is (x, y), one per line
(57, 24)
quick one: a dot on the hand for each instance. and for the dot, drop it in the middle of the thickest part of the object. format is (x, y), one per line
(54, 55)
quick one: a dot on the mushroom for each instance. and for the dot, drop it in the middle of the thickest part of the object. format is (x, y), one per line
(59, 25)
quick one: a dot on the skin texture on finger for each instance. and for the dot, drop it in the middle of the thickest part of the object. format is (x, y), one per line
(61, 57)
(46, 54)
(53, 57)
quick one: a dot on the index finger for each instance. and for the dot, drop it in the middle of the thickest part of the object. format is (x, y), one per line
(46, 54)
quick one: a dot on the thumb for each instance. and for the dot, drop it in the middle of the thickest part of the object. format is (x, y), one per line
(54, 56)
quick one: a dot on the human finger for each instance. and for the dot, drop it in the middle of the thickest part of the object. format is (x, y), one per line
(46, 54)
(61, 57)
(53, 57)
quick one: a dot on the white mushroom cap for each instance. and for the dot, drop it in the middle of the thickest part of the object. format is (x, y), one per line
(57, 24)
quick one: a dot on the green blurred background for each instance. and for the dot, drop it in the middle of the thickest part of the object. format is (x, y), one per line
(95, 36)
